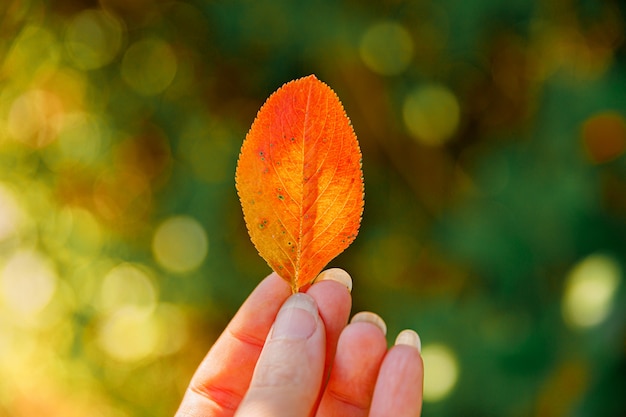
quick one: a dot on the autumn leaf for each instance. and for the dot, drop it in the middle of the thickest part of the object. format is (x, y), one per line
(299, 180)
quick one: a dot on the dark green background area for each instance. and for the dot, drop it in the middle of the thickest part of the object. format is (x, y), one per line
(470, 242)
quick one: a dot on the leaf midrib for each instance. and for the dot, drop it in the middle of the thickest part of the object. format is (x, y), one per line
(301, 225)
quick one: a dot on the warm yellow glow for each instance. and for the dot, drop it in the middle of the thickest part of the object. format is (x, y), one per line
(70, 86)
(431, 114)
(93, 38)
(85, 234)
(35, 118)
(386, 48)
(127, 285)
(27, 284)
(441, 371)
(180, 244)
(130, 334)
(174, 329)
(149, 66)
(590, 290)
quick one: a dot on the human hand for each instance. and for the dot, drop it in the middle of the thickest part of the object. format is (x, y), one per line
(274, 358)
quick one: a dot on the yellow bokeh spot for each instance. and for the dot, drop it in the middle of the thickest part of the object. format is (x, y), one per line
(589, 290)
(11, 215)
(431, 114)
(35, 118)
(130, 334)
(386, 48)
(27, 284)
(127, 285)
(180, 244)
(34, 52)
(93, 38)
(80, 140)
(85, 234)
(174, 329)
(149, 66)
(441, 371)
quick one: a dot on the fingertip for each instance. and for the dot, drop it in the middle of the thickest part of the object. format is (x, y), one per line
(409, 337)
(400, 381)
(372, 318)
(361, 349)
(329, 291)
(337, 275)
(334, 304)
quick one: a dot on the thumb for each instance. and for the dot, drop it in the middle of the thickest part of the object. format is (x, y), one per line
(288, 374)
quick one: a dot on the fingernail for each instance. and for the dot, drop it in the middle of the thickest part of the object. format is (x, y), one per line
(297, 318)
(410, 338)
(338, 275)
(369, 317)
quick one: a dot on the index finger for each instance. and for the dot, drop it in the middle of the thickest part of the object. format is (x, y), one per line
(223, 377)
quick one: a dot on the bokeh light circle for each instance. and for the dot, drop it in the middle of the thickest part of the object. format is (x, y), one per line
(79, 141)
(441, 371)
(180, 244)
(27, 283)
(590, 288)
(127, 285)
(34, 51)
(130, 334)
(386, 48)
(149, 66)
(431, 114)
(175, 331)
(93, 39)
(35, 118)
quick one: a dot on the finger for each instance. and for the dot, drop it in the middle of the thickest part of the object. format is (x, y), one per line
(331, 292)
(288, 375)
(398, 390)
(360, 351)
(224, 375)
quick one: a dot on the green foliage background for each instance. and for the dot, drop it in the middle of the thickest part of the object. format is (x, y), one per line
(470, 241)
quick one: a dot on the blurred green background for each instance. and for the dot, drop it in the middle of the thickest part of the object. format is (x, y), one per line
(493, 136)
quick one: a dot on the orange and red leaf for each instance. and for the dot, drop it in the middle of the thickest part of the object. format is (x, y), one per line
(299, 180)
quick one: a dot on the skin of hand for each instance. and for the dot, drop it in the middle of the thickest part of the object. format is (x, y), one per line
(296, 355)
